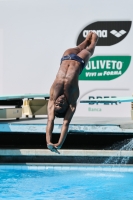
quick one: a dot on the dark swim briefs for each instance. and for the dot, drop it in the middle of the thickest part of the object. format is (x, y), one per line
(74, 57)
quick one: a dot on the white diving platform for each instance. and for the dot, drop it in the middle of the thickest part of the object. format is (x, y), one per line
(14, 106)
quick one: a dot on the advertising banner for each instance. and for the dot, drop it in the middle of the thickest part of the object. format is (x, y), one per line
(106, 75)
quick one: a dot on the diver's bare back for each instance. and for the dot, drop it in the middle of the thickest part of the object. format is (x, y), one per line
(66, 81)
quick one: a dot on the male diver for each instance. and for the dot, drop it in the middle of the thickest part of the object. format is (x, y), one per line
(64, 91)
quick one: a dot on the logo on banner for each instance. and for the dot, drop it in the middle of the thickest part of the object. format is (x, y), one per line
(101, 68)
(109, 32)
(102, 97)
(99, 109)
(118, 34)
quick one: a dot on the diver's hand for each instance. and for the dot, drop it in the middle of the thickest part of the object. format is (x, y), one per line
(57, 145)
(53, 148)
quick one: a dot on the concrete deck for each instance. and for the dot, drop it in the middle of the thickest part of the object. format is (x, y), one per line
(65, 152)
(66, 156)
(78, 125)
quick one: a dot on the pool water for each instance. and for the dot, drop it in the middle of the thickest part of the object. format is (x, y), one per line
(65, 184)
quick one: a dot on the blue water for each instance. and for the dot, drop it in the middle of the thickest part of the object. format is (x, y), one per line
(65, 184)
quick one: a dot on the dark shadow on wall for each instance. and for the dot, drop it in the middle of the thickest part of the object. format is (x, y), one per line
(73, 141)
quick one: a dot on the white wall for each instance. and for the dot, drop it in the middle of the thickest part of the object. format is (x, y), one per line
(34, 35)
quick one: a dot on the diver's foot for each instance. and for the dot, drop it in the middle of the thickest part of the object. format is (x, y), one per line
(89, 36)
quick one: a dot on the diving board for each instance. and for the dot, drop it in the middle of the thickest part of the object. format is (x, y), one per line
(26, 104)
(109, 100)
(23, 96)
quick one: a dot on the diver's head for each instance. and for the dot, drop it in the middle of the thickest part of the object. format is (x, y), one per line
(61, 106)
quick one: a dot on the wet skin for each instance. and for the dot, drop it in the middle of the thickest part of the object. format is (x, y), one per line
(64, 91)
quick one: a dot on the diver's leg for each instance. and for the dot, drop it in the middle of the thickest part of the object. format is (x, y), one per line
(86, 53)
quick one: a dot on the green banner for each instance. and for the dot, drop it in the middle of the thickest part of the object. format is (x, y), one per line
(105, 68)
